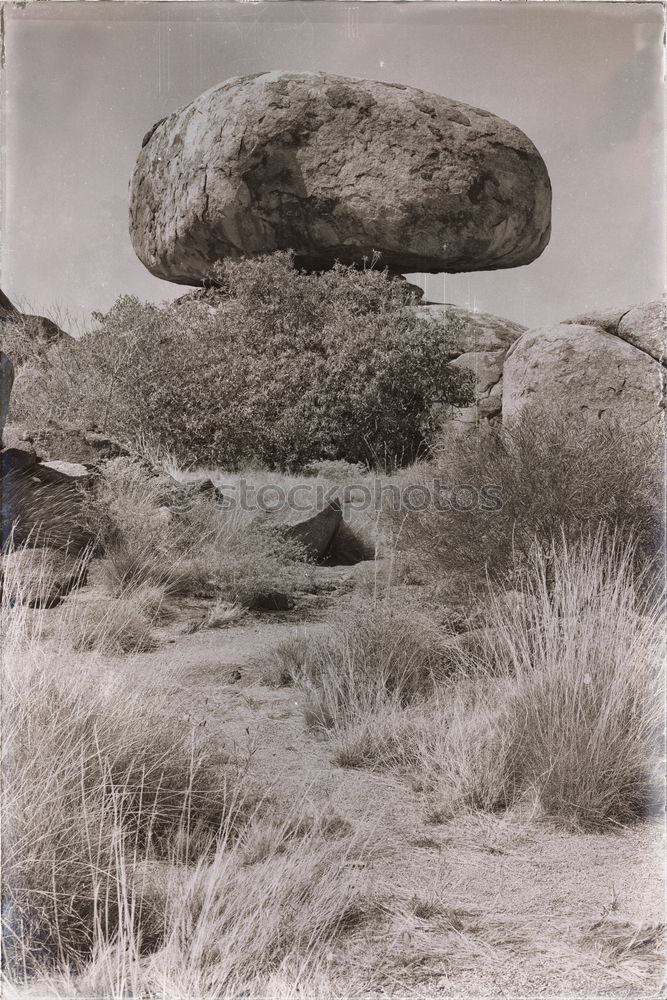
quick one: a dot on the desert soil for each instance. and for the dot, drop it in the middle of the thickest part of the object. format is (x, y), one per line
(502, 905)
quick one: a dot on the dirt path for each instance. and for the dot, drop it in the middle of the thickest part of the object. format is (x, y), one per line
(479, 906)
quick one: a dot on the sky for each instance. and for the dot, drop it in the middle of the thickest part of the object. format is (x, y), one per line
(84, 81)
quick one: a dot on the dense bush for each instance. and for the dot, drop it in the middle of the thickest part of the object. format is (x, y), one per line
(544, 477)
(270, 365)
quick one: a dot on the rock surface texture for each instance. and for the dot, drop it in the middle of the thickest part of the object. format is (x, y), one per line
(479, 331)
(314, 528)
(41, 330)
(41, 505)
(6, 383)
(580, 370)
(480, 342)
(643, 326)
(336, 168)
(55, 441)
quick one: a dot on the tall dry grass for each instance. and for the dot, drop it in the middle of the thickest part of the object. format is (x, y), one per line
(562, 701)
(92, 782)
(138, 860)
(558, 700)
(370, 660)
(158, 533)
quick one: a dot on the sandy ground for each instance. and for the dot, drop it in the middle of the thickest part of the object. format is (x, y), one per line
(485, 905)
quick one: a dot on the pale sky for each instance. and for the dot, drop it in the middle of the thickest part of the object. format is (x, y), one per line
(84, 82)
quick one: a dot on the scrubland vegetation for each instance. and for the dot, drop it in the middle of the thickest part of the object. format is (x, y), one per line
(270, 365)
(550, 480)
(159, 542)
(557, 698)
(142, 856)
(509, 662)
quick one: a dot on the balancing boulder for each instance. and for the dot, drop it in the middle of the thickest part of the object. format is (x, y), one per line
(335, 169)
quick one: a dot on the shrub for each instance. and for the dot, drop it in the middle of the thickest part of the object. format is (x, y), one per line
(567, 708)
(274, 366)
(540, 478)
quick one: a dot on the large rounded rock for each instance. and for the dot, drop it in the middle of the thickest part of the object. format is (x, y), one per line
(581, 371)
(336, 168)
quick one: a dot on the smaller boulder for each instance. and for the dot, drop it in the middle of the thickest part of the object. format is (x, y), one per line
(312, 528)
(355, 539)
(605, 319)
(482, 342)
(481, 331)
(486, 366)
(42, 506)
(69, 443)
(73, 470)
(20, 456)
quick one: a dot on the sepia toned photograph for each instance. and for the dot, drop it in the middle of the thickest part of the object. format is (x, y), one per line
(333, 500)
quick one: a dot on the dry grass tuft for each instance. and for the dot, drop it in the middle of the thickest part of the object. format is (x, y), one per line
(394, 738)
(288, 661)
(111, 625)
(222, 614)
(371, 660)
(567, 706)
(634, 949)
(225, 613)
